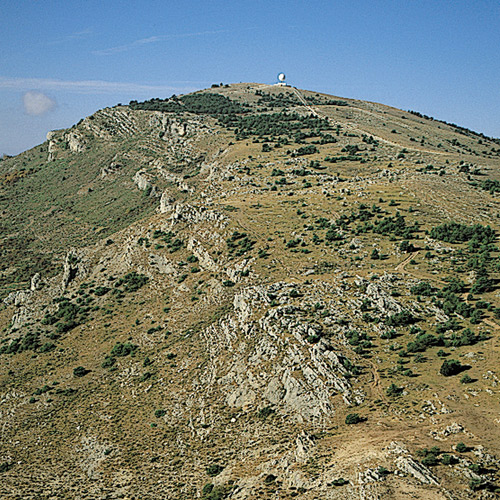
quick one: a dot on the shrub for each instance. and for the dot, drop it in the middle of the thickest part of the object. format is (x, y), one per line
(476, 483)
(394, 390)
(353, 418)
(132, 281)
(400, 319)
(423, 288)
(266, 412)
(214, 470)
(332, 235)
(406, 247)
(461, 448)
(453, 232)
(160, 413)
(466, 379)
(207, 488)
(430, 460)
(339, 481)
(448, 459)
(47, 347)
(306, 150)
(80, 371)
(450, 367)
(122, 350)
(108, 362)
(430, 457)
(5, 466)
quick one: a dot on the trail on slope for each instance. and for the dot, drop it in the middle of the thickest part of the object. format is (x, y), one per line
(401, 266)
(356, 127)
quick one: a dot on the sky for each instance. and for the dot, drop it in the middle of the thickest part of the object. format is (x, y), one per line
(63, 60)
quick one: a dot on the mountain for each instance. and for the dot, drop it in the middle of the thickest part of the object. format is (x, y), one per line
(251, 291)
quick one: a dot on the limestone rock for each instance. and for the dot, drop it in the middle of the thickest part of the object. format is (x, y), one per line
(410, 466)
(304, 445)
(75, 141)
(73, 267)
(144, 183)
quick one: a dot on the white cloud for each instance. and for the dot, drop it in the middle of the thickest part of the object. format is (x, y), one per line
(88, 86)
(78, 35)
(153, 39)
(37, 103)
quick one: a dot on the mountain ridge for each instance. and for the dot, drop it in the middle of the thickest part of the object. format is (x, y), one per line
(247, 296)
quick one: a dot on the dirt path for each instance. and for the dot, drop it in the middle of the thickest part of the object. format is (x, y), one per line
(308, 106)
(401, 266)
(491, 323)
(375, 383)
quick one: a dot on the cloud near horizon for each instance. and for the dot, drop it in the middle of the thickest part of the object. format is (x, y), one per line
(87, 86)
(37, 103)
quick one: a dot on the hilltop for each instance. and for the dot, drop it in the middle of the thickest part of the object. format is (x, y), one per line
(247, 292)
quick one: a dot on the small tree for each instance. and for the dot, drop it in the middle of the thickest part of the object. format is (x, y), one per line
(80, 371)
(353, 418)
(394, 390)
(450, 367)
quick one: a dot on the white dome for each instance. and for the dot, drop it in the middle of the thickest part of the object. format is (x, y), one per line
(281, 77)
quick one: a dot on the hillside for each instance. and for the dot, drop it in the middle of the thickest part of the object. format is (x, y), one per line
(251, 292)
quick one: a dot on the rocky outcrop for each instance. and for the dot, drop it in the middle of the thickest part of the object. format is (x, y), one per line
(203, 256)
(305, 444)
(420, 472)
(75, 141)
(179, 212)
(52, 145)
(305, 376)
(74, 266)
(114, 167)
(143, 181)
(408, 465)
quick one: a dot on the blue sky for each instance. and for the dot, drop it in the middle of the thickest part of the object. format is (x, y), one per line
(63, 60)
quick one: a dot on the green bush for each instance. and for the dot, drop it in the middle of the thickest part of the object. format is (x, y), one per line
(353, 418)
(214, 470)
(80, 371)
(122, 350)
(394, 390)
(108, 362)
(5, 466)
(430, 457)
(450, 367)
(402, 318)
(453, 232)
(47, 347)
(131, 282)
(340, 482)
(447, 459)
